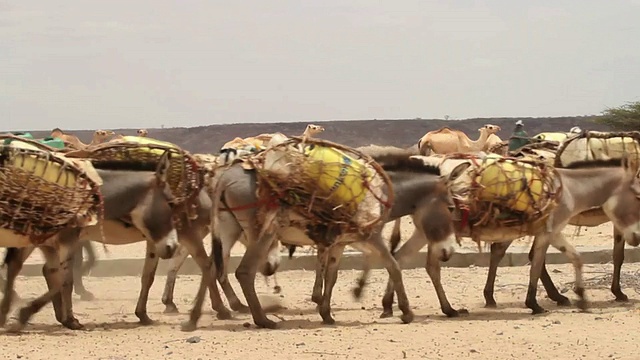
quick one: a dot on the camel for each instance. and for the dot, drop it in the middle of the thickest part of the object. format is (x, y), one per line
(239, 146)
(446, 140)
(99, 136)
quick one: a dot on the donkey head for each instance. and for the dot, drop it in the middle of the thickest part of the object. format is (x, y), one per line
(438, 224)
(623, 208)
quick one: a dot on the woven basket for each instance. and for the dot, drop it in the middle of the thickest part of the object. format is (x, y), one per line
(41, 193)
(184, 176)
(595, 145)
(505, 191)
(327, 183)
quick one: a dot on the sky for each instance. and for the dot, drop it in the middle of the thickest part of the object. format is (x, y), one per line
(88, 64)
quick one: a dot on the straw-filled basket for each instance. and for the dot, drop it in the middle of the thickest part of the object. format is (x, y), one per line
(327, 183)
(141, 153)
(596, 145)
(41, 192)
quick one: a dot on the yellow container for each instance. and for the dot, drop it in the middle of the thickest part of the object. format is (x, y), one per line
(47, 170)
(506, 183)
(150, 141)
(337, 175)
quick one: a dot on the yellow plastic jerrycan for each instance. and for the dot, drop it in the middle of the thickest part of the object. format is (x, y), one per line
(337, 175)
(150, 141)
(506, 182)
(47, 170)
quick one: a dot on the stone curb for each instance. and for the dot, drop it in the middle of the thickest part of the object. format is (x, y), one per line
(352, 260)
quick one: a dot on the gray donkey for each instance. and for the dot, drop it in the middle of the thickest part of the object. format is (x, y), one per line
(418, 189)
(142, 196)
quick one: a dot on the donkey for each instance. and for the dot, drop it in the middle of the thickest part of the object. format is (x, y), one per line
(141, 195)
(613, 185)
(418, 189)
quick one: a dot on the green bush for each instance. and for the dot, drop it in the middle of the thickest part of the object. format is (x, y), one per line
(622, 118)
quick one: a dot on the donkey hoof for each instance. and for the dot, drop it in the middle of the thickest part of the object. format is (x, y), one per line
(491, 304)
(621, 297)
(456, 313)
(73, 324)
(537, 309)
(87, 296)
(188, 326)
(240, 307)
(328, 320)
(267, 324)
(582, 304)
(386, 314)
(357, 292)
(223, 315)
(15, 328)
(564, 301)
(407, 317)
(144, 319)
(170, 309)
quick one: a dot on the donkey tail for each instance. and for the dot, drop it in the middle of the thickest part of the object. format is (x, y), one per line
(394, 241)
(292, 249)
(216, 243)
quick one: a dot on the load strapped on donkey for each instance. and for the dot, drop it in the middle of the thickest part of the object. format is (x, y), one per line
(43, 192)
(595, 145)
(506, 194)
(328, 184)
(184, 176)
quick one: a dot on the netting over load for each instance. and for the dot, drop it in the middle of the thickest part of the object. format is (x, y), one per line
(42, 192)
(501, 191)
(325, 182)
(138, 153)
(595, 145)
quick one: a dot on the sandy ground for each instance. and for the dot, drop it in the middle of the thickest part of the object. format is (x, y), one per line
(588, 236)
(609, 331)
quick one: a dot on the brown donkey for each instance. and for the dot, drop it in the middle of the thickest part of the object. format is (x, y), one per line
(418, 189)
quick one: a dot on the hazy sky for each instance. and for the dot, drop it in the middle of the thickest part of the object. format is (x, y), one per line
(89, 64)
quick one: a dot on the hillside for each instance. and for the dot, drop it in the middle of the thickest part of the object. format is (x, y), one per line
(209, 139)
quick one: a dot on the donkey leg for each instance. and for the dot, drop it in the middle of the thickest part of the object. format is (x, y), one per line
(321, 263)
(194, 245)
(196, 311)
(226, 238)
(52, 260)
(560, 242)
(539, 249)
(67, 255)
(395, 276)
(549, 287)
(618, 259)
(498, 250)
(332, 259)
(410, 248)
(14, 261)
(148, 275)
(78, 271)
(246, 274)
(167, 296)
(433, 269)
(362, 280)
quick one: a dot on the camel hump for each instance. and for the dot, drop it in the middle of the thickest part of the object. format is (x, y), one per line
(444, 129)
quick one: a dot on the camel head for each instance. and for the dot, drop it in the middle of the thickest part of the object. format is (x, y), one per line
(490, 129)
(100, 136)
(313, 130)
(142, 132)
(57, 133)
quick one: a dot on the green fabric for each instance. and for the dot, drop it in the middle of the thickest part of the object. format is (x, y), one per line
(515, 144)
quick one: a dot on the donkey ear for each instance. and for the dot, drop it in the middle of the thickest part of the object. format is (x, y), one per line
(162, 171)
(457, 171)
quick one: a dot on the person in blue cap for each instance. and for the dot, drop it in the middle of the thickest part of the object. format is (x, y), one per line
(519, 138)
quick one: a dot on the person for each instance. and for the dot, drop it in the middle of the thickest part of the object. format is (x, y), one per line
(519, 138)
